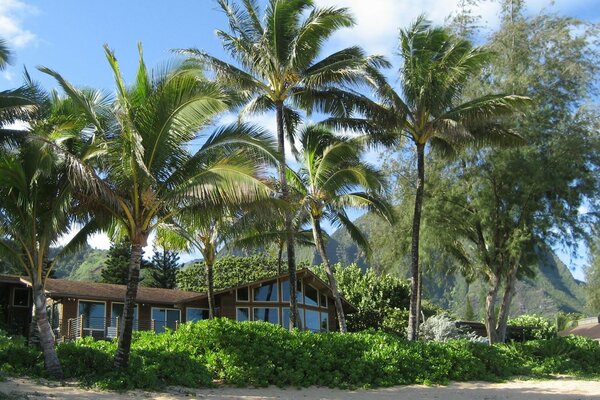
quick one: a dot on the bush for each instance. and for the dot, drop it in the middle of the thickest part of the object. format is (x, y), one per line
(261, 354)
(440, 328)
(540, 327)
(18, 358)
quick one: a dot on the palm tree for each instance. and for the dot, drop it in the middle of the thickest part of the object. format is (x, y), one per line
(333, 178)
(148, 173)
(427, 110)
(279, 70)
(5, 55)
(38, 205)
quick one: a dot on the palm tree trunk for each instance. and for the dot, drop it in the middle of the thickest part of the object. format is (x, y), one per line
(209, 262)
(490, 312)
(122, 355)
(45, 330)
(279, 256)
(413, 318)
(318, 235)
(210, 289)
(509, 291)
(291, 248)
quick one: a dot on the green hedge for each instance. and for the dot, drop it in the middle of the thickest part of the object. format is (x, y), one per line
(260, 354)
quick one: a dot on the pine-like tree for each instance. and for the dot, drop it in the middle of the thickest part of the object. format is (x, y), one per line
(116, 267)
(163, 268)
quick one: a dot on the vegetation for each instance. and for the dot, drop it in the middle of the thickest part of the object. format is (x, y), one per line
(261, 354)
(144, 184)
(141, 163)
(163, 268)
(426, 111)
(278, 54)
(38, 204)
(332, 179)
(503, 206)
(229, 271)
(116, 267)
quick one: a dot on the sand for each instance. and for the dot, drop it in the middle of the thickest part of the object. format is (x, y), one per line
(558, 389)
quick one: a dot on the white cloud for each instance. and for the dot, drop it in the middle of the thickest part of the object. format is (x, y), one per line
(378, 21)
(11, 26)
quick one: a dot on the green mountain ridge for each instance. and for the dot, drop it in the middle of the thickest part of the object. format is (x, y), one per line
(552, 289)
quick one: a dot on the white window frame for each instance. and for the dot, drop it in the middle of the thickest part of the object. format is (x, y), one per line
(93, 301)
(12, 300)
(321, 296)
(318, 296)
(265, 308)
(187, 317)
(165, 321)
(249, 313)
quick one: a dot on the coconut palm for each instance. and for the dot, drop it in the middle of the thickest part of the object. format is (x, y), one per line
(280, 70)
(5, 55)
(333, 178)
(427, 109)
(38, 204)
(148, 171)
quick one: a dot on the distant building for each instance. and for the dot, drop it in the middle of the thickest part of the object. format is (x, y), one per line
(589, 328)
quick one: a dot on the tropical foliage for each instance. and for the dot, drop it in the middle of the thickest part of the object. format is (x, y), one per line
(281, 69)
(262, 354)
(506, 132)
(331, 179)
(153, 175)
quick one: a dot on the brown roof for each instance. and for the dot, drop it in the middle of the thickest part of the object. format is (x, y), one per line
(591, 331)
(61, 288)
(10, 278)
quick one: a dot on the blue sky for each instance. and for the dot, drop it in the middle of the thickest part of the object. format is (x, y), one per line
(68, 35)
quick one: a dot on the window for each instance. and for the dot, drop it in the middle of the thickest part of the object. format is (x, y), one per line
(116, 311)
(93, 313)
(311, 296)
(242, 294)
(323, 302)
(266, 292)
(313, 321)
(243, 314)
(324, 322)
(165, 318)
(285, 291)
(196, 314)
(269, 314)
(285, 320)
(20, 297)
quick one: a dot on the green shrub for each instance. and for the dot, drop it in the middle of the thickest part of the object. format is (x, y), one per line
(261, 354)
(18, 358)
(541, 328)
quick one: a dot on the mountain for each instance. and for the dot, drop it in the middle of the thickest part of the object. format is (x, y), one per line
(553, 287)
(83, 265)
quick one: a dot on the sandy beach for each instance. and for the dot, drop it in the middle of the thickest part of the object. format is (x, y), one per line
(559, 389)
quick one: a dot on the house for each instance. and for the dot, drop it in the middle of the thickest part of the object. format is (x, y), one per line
(95, 309)
(15, 305)
(513, 333)
(588, 327)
